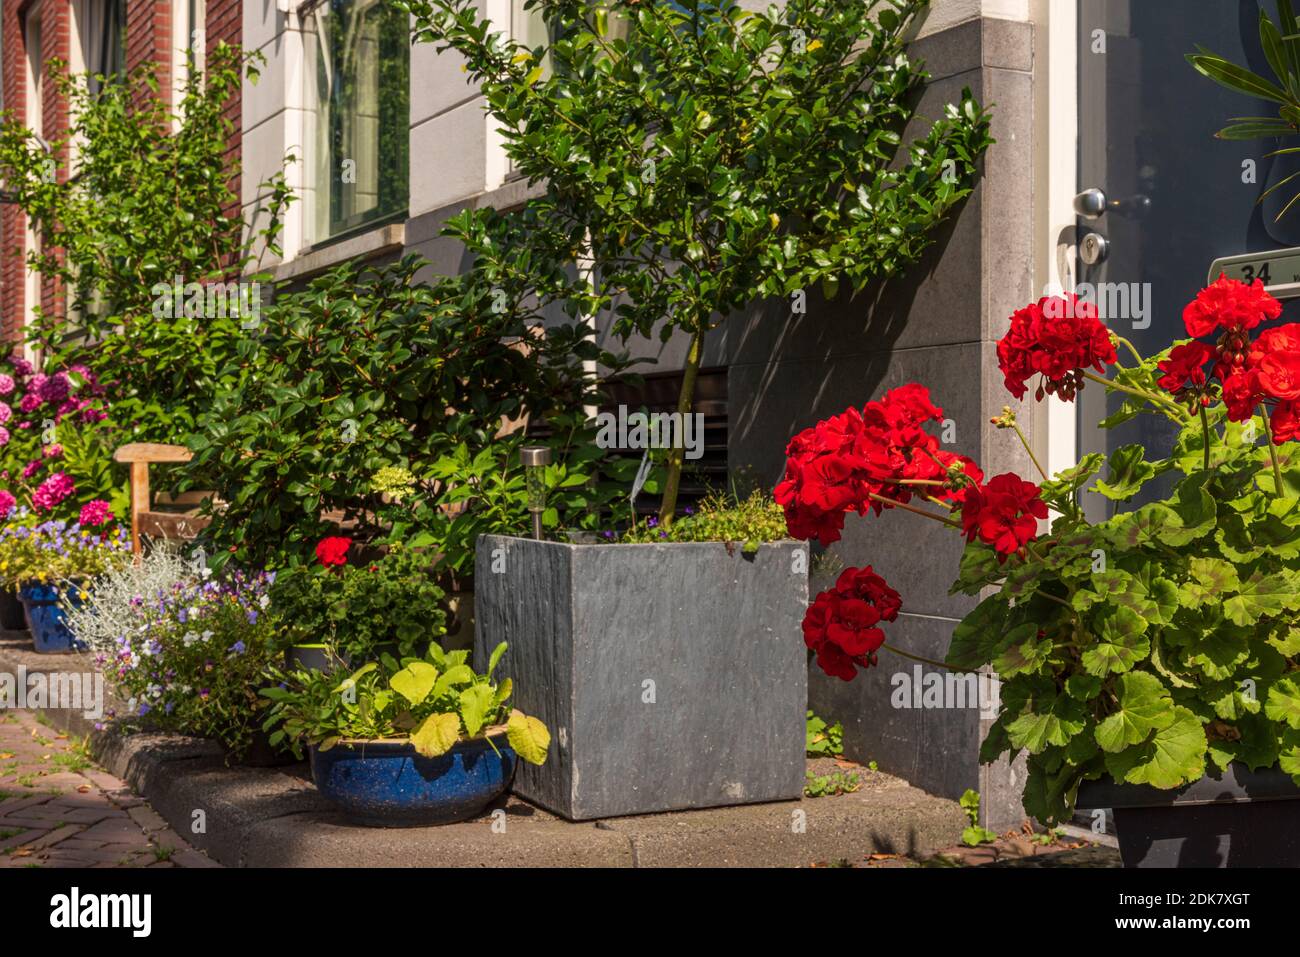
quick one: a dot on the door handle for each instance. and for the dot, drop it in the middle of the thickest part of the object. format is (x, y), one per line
(1093, 204)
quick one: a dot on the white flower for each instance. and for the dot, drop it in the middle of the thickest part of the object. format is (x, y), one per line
(190, 638)
(264, 601)
(207, 635)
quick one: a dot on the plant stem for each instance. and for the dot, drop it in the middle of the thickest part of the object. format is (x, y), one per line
(1157, 400)
(1205, 429)
(685, 400)
(1272, 452)
(1032, 457)
(1129, 346)
(1060, 601)
(914, 510)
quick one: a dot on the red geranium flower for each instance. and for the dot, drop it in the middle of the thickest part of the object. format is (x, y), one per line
(852, 461)
(841, 625)
(1184, 372)
(1057, 337)
(1004, 513)
(1230, 305)
(1286, 422)
(333, 550)
(1242, 395)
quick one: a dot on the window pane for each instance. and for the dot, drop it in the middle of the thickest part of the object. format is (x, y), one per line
(357, 140)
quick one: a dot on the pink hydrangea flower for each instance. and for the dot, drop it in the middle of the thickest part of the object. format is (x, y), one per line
(6, 413)
(30, 402)
(22, 368)
(32, 467)
(52, 451)
(53, 389)
(6, 504)
(52, 491)
(6, 384)
(95, 513)
(4, 436)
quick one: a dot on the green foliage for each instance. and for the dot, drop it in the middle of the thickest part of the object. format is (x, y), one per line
(150, 201)
(754, 520)
(372, 369)
(433, 701)
(1159, 644)
(357, 608)
(823, 740)
(710, 157)
(974, 835)
(1281, 43)
(828, 785)
(194, 657)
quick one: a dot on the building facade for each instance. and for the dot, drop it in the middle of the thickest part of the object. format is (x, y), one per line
(384, 141)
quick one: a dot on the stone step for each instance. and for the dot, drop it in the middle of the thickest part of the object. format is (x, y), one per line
(259, 817)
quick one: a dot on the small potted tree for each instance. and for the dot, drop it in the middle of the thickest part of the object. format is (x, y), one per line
(690, 159)
(1148, 662)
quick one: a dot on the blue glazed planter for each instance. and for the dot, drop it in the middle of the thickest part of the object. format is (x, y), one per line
(45, 619)
(387, 784)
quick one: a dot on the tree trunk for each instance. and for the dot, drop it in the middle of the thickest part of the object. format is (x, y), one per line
(685, 402)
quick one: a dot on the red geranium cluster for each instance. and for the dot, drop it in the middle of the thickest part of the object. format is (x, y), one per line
(333, 551)
(1057, 337)
(841, 626)
(1265, 372)
(870, 459)
(1004, 513)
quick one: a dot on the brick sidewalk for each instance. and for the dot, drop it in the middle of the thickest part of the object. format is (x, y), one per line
(59, 809)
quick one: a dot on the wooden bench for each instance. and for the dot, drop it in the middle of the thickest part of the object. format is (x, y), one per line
(183, 522)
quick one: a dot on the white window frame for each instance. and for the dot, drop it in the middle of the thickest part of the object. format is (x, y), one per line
(33, 93)
(187, 36)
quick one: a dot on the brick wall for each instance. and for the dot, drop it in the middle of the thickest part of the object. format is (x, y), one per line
(225, 21)
(149, 39)
(56, 34)
(13, 77)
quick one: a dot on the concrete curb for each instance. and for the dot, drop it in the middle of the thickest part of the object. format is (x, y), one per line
(274, 817)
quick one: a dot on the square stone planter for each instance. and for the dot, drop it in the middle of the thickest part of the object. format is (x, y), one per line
(671, 676)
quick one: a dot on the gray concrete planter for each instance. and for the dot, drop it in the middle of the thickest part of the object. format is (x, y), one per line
(671, 676)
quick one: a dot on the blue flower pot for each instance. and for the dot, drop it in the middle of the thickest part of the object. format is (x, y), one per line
(46, 621)
(387, 784)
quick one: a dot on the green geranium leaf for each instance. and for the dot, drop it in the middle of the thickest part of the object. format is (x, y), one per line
(1082, 687)
(1262, 594)
(1174, 756)
(1209, 580)
(977, 636)
(1061, 720)
(1120, 645)
(1129, 471)
(979, 568)
(1023, 657)
(1145, 706)
(1283, 702)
